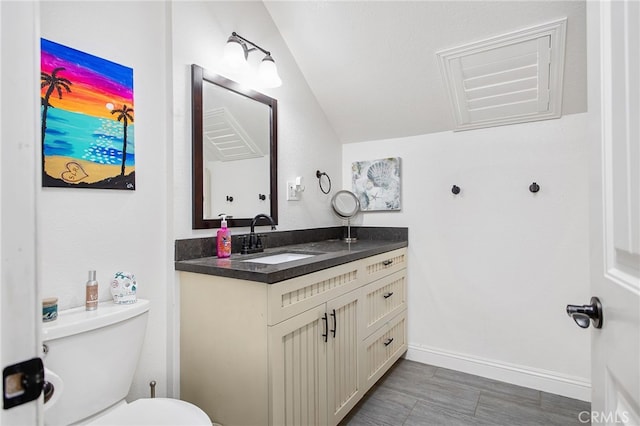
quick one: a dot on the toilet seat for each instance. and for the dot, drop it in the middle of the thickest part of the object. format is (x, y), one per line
(156, 412)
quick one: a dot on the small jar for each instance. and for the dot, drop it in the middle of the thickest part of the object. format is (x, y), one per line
(49, 309)
(123, 288)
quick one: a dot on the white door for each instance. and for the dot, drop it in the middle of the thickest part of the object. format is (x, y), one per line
(19, 122)
(614, 97)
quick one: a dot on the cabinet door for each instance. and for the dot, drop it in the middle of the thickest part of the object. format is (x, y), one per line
(298, 360)
(342, 353)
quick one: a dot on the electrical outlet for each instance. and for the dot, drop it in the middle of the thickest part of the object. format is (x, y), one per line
(292, 193)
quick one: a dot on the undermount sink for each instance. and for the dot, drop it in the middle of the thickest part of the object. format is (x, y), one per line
(275, 259)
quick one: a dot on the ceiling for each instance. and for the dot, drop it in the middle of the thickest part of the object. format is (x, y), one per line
(373, 68)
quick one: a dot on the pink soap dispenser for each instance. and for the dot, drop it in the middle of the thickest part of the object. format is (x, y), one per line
(223, 239)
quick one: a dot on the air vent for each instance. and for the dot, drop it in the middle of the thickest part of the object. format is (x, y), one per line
(512, 78)
(224, 138)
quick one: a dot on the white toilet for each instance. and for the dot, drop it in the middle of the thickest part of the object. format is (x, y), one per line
(90, 358)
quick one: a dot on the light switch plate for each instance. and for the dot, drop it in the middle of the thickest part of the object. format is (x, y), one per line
(292, 193)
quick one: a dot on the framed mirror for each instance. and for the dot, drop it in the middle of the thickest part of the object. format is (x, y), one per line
(234, 151)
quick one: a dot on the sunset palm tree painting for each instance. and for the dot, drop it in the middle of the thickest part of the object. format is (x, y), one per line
(88, 138)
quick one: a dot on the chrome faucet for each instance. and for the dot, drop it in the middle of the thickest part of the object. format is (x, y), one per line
(254, 245)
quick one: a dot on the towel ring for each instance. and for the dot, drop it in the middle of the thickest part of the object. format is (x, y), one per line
(319, 175)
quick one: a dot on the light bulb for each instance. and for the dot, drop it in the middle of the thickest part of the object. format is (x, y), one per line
(268, 73)
(235, 54)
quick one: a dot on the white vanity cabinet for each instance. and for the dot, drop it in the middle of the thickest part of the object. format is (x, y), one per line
(298, 352)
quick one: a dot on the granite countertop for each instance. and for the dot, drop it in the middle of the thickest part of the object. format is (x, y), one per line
(327, 254)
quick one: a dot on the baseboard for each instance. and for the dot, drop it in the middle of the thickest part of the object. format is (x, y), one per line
(547, 381)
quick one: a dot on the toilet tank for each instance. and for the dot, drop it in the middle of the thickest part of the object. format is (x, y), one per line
(95, 354)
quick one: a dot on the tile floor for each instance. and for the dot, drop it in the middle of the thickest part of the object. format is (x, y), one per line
(412, 393)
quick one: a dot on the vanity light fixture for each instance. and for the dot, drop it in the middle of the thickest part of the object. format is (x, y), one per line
(236, 52)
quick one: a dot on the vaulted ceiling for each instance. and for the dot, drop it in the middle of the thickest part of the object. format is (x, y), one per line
(373, 68)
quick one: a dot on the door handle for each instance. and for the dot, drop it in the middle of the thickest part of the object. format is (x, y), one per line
(325, 335)
(584, 315)
(335, 323)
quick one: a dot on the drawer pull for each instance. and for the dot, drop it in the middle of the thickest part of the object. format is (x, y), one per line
(388, 341)
(387, 294)
(387, 262)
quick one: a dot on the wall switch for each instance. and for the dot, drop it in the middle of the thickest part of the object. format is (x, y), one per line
(292, 192)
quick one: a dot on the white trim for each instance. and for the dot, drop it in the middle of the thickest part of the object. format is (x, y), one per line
(543, 380)
(614, 269)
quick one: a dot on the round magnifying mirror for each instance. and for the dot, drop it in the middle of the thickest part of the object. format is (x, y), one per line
(346, 205)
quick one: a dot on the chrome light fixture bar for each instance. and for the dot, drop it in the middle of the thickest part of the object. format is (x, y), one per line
(236, 52)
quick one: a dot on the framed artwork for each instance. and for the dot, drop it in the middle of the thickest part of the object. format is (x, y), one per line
(377, 184)
(87, 118)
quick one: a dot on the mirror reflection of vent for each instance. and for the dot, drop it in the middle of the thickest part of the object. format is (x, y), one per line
(513, 78)
(224, 138)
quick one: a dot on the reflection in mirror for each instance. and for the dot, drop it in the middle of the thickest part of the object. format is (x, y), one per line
(235, 143)
(234, 151)
(345, 204)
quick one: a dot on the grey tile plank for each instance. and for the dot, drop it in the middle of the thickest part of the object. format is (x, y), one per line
(484, 384)
(382, 405)
(415, 367)
(388, 405)
(412, 393)
(551, 400)
(501, 411)
(361, 419)
(425, 413)
(409, 371)
(566, 406)
(441, 394)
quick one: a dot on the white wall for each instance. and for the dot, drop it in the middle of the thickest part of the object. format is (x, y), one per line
(244, 191)
(491, 270)
(110, 230)
(306, 142)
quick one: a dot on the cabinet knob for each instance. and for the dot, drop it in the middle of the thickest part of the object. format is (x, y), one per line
(534, 187)
(387, 262)
(387, 294)
(388, 341)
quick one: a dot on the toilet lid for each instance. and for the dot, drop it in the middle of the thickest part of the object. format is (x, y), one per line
(156, 412)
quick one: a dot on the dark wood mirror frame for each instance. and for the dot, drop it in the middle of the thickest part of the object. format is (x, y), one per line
(198, 76)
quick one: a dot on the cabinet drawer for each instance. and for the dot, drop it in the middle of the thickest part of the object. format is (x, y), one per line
(382, 300)
(380, 350)
(294, 296)
(383, 264)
